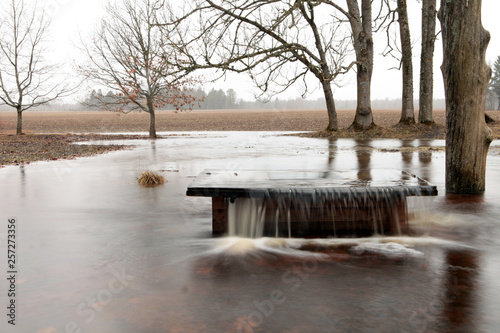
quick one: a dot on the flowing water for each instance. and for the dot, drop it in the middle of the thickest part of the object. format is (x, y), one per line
(319, 213)
(305, 203)
(99, 253)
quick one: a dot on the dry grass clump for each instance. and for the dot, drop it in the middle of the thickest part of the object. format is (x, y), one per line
(149, 178)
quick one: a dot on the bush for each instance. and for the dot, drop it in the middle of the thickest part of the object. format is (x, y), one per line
(149, 178)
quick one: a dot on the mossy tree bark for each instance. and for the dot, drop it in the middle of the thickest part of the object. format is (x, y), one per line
(466, 78)
(425, 115)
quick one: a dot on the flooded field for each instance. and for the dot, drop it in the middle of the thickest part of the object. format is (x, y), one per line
(96, 252)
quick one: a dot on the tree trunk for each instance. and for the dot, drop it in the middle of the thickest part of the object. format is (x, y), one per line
(361, 25)
(330, 107)
(408, 110)
(364, 117)
(466, 78)
(19, 130)
(152, 120)
(426, 62)
(324, 75)
(152, 125)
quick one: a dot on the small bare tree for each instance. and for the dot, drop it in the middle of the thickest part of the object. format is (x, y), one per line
(278, 43)
(25, 76)
(128, 55)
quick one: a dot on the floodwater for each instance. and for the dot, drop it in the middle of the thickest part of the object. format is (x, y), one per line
(96, 252)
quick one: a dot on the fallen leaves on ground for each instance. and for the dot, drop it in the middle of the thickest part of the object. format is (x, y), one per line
(25, 149)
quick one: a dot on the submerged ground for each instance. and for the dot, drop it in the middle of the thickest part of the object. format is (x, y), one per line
(49, 134)
(99, 253)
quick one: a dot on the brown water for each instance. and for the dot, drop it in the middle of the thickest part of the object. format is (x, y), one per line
(98, 253)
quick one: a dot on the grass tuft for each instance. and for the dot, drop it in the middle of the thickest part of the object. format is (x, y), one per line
(149, 178)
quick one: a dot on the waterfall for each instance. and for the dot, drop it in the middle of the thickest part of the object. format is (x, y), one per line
(323, 212)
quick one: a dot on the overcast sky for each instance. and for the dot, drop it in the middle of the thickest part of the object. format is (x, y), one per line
(73, 17)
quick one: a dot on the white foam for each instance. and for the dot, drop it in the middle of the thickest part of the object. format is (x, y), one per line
(389, 250)
(238, 246)
(387, 246)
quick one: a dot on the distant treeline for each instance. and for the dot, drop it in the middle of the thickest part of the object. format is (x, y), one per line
(214, 99)
(220, 99)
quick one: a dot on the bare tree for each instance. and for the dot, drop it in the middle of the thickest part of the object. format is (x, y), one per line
(361, 26)
(25, 76)
(362, 36)
(466, 78)
(359, 16)
(128, 56)
(408, 110)
(277, 42)
(402, 52)
(426, 62)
